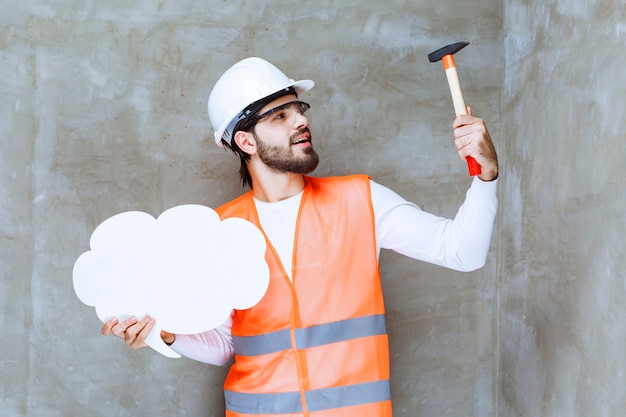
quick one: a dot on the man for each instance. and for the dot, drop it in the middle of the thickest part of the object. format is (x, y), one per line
(316, 344)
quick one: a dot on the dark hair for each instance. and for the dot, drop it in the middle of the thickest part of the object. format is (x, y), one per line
(244, 157)
(245, 125)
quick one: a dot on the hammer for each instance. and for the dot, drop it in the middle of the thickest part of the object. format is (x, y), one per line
(445, 55)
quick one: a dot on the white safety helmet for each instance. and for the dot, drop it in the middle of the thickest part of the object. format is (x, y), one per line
(246, 82)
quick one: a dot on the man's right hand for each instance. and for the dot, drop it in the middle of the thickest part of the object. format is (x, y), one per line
(134, 332)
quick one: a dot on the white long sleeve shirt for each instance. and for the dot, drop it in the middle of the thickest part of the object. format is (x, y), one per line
(461, 244)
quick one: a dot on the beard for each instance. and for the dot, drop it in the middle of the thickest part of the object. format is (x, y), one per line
(284, 159)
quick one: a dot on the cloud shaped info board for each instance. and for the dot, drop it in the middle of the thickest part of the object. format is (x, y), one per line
(188, 269)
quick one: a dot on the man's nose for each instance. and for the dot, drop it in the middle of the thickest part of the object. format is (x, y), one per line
(300, 120)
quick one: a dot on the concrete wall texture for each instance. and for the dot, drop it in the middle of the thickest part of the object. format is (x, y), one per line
(103, 110)
(561, 258)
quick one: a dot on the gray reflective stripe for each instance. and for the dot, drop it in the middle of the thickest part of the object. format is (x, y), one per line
(317, 400)
(321, 334)
(339, 331)
(349, 395)
(262, 344)
(288, 402)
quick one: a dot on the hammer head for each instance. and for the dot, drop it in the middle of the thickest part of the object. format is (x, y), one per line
(446, 50)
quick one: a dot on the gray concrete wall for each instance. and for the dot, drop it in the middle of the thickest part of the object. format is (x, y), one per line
(102, 110)
(562, 258)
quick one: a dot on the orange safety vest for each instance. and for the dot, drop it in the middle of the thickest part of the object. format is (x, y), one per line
(317, 346)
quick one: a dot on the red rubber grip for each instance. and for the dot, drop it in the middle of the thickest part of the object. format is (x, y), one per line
(473, 166)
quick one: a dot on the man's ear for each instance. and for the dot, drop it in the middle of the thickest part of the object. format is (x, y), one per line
(245, 141)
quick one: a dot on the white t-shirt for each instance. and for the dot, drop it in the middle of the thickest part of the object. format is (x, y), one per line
(461, 244)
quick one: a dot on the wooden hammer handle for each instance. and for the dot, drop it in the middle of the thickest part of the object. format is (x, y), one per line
(459, 104)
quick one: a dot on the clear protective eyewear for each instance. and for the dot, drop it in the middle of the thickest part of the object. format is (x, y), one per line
(283, 112)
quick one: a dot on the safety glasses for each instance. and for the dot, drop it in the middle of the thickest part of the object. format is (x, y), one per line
(283, 113)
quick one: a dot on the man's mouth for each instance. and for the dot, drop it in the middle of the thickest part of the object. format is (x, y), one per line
(301, 138)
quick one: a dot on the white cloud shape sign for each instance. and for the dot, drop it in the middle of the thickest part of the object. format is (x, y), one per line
(187, 269)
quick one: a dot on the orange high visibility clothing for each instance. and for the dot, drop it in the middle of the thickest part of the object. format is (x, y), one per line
(316, 346)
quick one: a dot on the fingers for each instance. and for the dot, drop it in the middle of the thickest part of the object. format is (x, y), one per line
(472, 138)
(134, 332)
(469, 130)
(466, 119)
(107, 327)
(135, 335)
